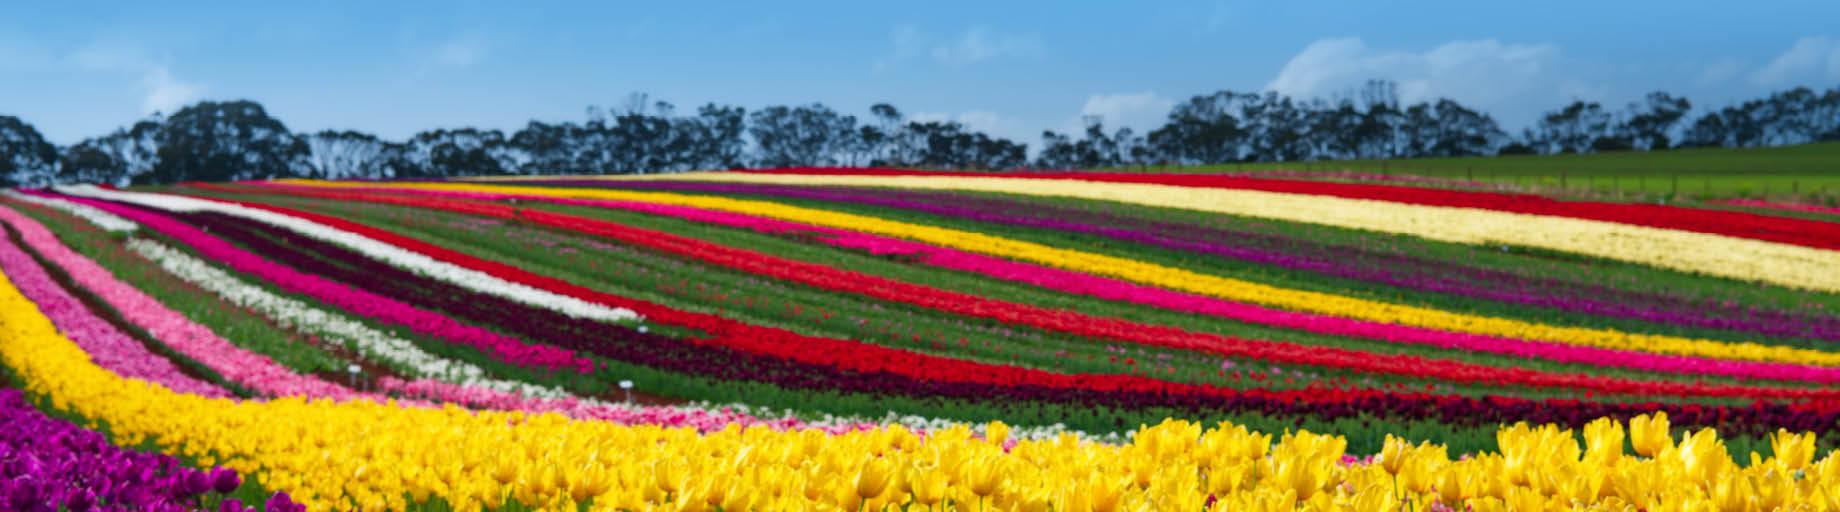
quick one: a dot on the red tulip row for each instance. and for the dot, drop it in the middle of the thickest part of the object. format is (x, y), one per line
(1803, 232)
(830, 278)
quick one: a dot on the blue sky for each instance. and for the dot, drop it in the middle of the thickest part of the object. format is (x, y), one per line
(78, 69)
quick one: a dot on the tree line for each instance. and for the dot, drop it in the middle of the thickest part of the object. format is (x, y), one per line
(232, 140)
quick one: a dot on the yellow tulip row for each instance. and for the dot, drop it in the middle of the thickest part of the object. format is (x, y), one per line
(1751, 260)
(385, 457)
(1179, 279)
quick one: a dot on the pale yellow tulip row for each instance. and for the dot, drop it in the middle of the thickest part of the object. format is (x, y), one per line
(1752, 260)
(1176, 278)
(385, 457)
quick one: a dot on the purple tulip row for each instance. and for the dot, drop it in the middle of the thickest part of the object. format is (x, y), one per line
(47, 464)
(1389, 268)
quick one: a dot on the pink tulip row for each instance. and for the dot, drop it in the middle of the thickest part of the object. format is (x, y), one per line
(1114, 289)
(702, 420)
(357, 302)
(115, 351)
(250, 369)
(107, 346)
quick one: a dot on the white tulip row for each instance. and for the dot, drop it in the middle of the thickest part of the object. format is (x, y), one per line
(415, 262)
(105, 220)
(397, 353)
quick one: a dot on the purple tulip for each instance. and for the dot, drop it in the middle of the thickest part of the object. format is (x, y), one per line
(232, 505)
(196, 482)
(224, 480)
(281, 502)
(80, 501)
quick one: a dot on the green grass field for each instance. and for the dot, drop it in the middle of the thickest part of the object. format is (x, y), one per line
(1808, 173)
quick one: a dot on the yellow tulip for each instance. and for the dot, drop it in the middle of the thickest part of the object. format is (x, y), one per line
(1604, 440)
(1649, 433)
(1792, 451)
(997, 432)
(929, 486)
(1393, 454)
(872, 477)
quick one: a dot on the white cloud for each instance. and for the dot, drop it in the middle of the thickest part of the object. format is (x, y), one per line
(1719, 72)
(989, 122)
(980, 44)
(160, 91)
(1141, 111)
(163, 93)
(1811, 59)
(976, 44)
(1483, 71)
(459, 53)
(1512, 81)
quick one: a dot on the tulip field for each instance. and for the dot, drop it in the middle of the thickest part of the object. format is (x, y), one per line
(873, 339)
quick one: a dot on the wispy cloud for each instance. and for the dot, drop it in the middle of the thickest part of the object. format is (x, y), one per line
(1512, 81)
(163, 93)
(1136, 110)
(1810, 59)
(459, 52)
(159, 89)
(981, 44)
(1719, 72)
(975, 44)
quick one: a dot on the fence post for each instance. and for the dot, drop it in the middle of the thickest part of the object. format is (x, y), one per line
(1675, 192)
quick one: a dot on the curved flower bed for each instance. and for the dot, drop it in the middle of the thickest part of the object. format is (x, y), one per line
(342, 296)
(108, 346)
(1808, 233)
(1184, 280)
(326, 454)
(46, 464)
(789, 360)
(1423, 274)
(1099, 287)
(249, 369)
(1782, 264)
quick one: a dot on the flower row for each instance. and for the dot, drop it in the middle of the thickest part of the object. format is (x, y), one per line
(1793, 266)
(1352, 262)
(375, 456)
(460, 276)
(47, 464)
(1110, 289)
(461, 383)
(789, 360)
(1808, 233)
(1184, 280)
(339, 295)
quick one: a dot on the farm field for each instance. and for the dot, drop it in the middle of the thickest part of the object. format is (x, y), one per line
(873, 339)
(1802, 173)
